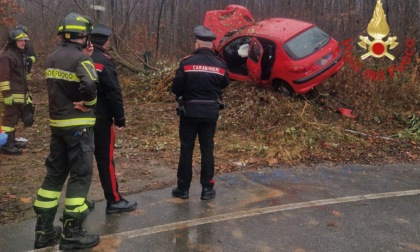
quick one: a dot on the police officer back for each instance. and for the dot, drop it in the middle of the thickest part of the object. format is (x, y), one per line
(197, 85)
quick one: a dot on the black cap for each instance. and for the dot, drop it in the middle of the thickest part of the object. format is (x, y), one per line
(101, 30)
(204, 34)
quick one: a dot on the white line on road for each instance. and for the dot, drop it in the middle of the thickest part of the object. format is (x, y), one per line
(247, 213)
(254, 212)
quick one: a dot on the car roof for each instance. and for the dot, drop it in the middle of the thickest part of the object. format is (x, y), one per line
(277, 28)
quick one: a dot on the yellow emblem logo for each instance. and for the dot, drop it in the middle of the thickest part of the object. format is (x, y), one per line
(378, 29)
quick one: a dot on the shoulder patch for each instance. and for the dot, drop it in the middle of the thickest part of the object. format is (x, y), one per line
(99, 67)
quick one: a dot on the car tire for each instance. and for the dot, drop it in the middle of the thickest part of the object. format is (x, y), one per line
(283, 88)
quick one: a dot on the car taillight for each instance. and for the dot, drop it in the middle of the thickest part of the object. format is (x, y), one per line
(296, 69)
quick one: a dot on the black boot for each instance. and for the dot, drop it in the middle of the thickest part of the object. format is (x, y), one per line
(17, 144)
(74, 236)
(207, 193)
(45, 231)
(9, 147)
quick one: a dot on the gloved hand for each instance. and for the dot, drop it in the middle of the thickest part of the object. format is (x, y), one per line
(29, 99)
(8, 101)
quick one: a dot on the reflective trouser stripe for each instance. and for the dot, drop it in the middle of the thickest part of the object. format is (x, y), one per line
(47, 198)
(75, 205)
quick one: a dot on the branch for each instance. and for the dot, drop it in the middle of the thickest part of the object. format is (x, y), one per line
(138, 57)
(368, 135)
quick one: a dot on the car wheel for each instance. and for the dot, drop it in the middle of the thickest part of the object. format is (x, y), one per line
(283, 88)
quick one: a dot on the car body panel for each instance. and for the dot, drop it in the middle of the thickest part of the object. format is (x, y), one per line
(254, 61)
(293, 52)
(223, 21)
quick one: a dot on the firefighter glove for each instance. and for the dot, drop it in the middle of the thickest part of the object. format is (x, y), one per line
(8, 101)
(29, 99)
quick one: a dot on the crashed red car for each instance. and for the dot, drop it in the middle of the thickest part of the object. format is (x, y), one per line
(288, 55)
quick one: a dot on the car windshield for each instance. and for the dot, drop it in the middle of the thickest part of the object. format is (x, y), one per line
(306, 43)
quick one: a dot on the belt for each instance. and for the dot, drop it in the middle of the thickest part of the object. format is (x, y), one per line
(201, 101)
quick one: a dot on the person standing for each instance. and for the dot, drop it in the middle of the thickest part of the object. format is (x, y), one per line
(197, 85)
(13, 89)
(109, 116)
(29, 52)
(70, 77)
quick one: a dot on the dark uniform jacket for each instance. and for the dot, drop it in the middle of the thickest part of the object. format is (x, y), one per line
(30, 54)
(110, 101)
(71, 77)
(12, 75)
(200, 79)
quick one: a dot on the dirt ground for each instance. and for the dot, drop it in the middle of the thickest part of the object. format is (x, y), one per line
(147, 149)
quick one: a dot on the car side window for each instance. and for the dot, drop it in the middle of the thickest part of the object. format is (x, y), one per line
(255, 52)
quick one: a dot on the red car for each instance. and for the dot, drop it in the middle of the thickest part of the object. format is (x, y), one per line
(288, 55)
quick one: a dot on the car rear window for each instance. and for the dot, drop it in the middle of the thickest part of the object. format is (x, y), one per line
(306, 43)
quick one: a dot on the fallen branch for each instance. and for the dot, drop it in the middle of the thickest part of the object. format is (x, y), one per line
(368, 135)
(125, 63)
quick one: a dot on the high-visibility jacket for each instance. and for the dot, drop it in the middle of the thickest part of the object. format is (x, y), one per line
(12, 75)
(71, 77)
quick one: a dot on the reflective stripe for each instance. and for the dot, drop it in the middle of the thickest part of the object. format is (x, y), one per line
(75, 27)
(79, 209)
(90, 103)
(80, 202)
(46, 204)
(18, 98)
(7, 129)
(48, 194)
(73, 122)
(58, 74)
(74, 201)
(4, 85)
(92, 71)
(22, 36)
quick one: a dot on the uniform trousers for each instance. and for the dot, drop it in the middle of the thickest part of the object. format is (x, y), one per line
(10, 116)
(70, 154)
(189, 128)
(104, 154)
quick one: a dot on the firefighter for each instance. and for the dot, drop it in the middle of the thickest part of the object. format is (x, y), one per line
(29, 52)
(70, 77)
(109, 116)
(13, 87)
(197, 85)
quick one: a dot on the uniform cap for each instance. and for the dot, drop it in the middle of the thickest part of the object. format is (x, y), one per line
(101, 30)
(204, 34)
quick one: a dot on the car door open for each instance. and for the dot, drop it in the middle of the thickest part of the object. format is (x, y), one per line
(254, 61)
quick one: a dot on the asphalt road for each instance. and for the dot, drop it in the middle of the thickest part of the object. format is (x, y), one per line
(344, 208)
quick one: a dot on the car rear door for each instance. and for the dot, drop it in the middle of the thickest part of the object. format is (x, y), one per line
(254, 61)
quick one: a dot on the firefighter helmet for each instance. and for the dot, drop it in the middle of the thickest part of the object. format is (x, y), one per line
(74, 26)
(23, 28)
(15, 35)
